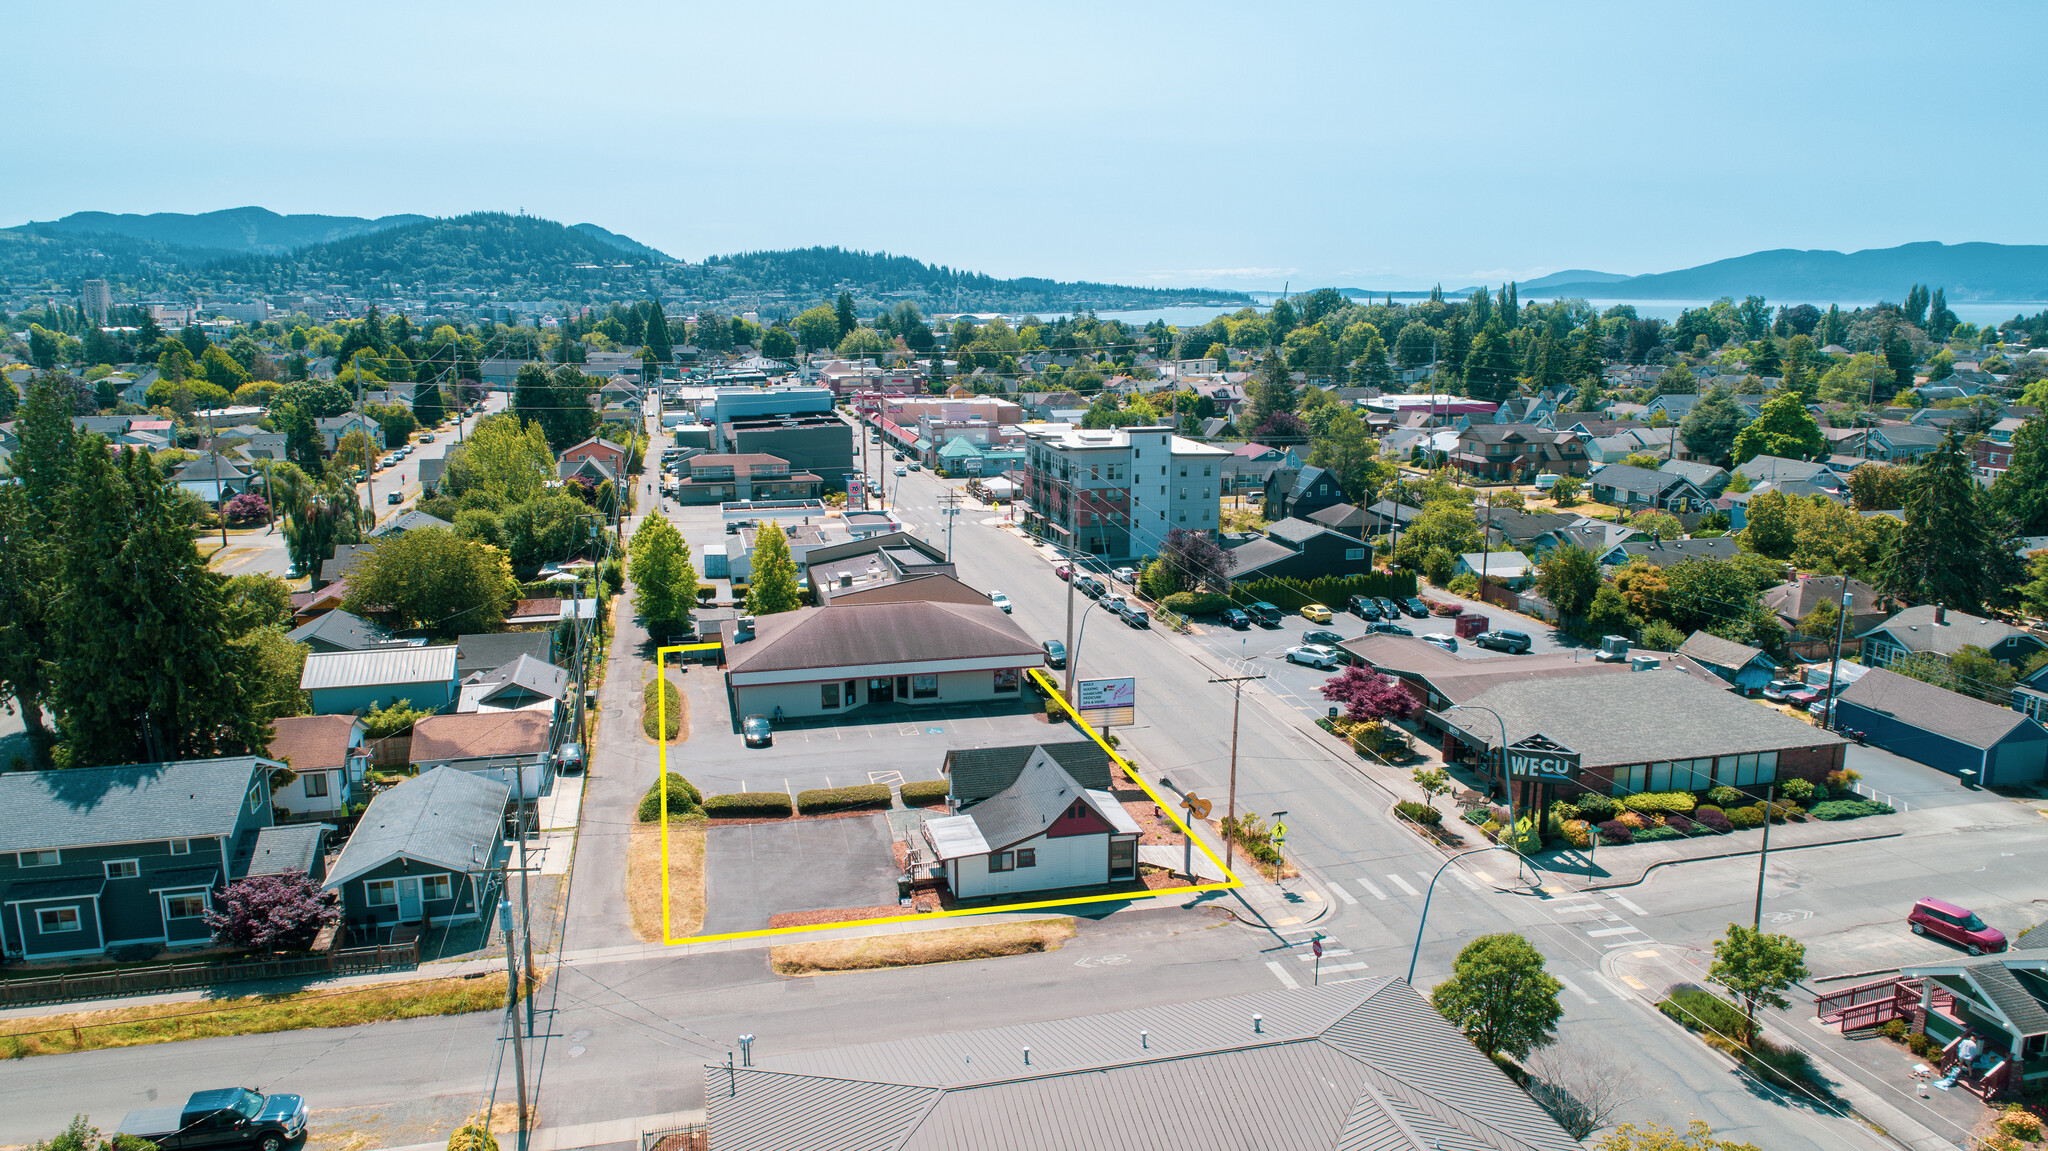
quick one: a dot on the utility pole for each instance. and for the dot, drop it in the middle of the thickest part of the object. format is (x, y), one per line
(1828, 720)
(1763, 855)
(1072, 574)
(1236, 683)
(512, 1009)
(525, 901)
(951, 510)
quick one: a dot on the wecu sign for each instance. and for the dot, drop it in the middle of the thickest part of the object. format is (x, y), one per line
(1538, 758)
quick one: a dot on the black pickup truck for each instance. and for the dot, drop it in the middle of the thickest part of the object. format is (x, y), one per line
(224, 1117)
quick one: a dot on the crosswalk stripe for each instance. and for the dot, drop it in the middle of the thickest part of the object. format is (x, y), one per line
(1280, 971)
(1632, 907)
(1401, 883)
(1330, 967)
(1616, 931)
(1573, 988)
(1344, 895)
(1470, 883)
(1368, 885)
(1310, 956)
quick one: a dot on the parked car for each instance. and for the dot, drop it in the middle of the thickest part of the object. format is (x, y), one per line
(1322, 638)
(898, 457)
(1089, 586)
(1313, 656)
(915, 466)
(901, 470)
(569, 757)
(1125, 575)
(428, 438)
(1000, 600)
(757, 732)
(1956, 924)
(1414, 606)
(1363, 607)
(1777, 689)
(1236, 618)
(1114, 603)
(224, 1117)
(394, 497)
(1388, 627)
(1802, 695)
(1509, 641)
(1264, 614)
(1055, 653)
(1315, 613)
(1064, 572)
(1446, 642)
(1134, 615)
(1388, 608)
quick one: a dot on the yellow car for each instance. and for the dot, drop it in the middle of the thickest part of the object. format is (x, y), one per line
(1316, 613)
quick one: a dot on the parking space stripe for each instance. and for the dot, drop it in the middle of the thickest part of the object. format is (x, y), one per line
(1281, 972)
(1368, 885)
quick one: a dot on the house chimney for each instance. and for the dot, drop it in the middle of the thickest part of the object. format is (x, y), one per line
(1940, 615)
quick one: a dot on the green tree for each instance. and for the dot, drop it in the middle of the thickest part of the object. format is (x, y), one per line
(253, 601)
(818, 328)
(773, 588)
(1569, 577)
(664, 582)
(549, 527)
(1445, 525)
(32, 554)
(429, 406)
(1770, 525)
(1784, 429)
(1500, 996)
(558, 401)
(1970, 671)
(1271, 393)
(2033, 596)
(2022, 491)
(1678, 380)
(1709, 429)
(433, 579)
(1565, 492)
(503, 462)
(657, 338)
(1880, 487)
(861, 342)
(844, 316)
(275, 666)
(1490, 366)
(1608, 613)
(1757, 968)
(1941, 555)
(778, 344)
(1349, 452)
(1657, 1137)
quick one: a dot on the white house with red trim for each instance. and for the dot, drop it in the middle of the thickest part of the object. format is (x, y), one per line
(1045, 832)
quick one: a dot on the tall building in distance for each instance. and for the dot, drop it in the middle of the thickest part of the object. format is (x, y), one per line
(97, 300)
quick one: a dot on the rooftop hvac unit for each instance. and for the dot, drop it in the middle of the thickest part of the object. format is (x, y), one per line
(1644, 663)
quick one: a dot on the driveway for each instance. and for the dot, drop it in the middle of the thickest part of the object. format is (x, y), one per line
(752, 871)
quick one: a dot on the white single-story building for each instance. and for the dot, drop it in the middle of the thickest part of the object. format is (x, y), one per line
(1044, 832)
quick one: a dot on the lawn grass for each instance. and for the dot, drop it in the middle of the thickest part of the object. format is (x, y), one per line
(685, 878)
(914, 949)
(248, 1015)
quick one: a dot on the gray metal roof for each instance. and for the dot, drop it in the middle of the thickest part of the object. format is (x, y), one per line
(378, 667)
(979, 772)
(1366, 1066)
(1935, 709)
(340, 629)
(445, 817)
(189, 799)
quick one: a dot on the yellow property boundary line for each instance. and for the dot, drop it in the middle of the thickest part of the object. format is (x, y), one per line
(1053, 697)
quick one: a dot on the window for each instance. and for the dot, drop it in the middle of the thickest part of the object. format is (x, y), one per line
(437, 888)
(316, 785)
(256, 798)
(188, 906)
(1006, 679)
(40, 858)
(1183, 471)
(828, 695)
(1183, 517)
(1205, 471)
(1354, 553)
(57, 920)
(924, 686)
(181, 847)
(122, 868)
(380, 892)
(1000, 861)
(1027, 857)
(847, 694)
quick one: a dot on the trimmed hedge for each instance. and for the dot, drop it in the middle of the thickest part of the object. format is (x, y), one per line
(1713, 819)
(1652, 802)
(1294, 594)
(1832, 809)
(1653, 834)
(683, 799)
(748, 805)
(926, 792)
(650, 719)
(1197, 603)
(823, 799)
(1420, 813)
(1594, 807)
(1745, 818)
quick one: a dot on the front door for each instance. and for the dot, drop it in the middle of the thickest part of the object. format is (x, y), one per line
(1123, 858)
(408, 900)
(881, 691)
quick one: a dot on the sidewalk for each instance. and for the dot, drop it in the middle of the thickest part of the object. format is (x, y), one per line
(577, 1135)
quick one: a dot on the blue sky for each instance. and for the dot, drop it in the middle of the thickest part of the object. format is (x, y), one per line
(1234, 145)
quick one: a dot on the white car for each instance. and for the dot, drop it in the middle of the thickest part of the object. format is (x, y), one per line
(1314, 655)
(901, 470)
(1446, 642)
(1125, 575)
(1000, 600)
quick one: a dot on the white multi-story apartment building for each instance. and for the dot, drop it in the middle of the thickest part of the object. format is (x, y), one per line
(1116, 492)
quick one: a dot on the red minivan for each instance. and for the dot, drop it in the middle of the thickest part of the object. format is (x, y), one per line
(1955, 924)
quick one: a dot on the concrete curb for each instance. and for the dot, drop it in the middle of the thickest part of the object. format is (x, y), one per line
(1611, 885)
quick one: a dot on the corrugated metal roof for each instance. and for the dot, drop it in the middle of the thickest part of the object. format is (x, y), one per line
(752, 1108)
(378, 667)
(955, 836)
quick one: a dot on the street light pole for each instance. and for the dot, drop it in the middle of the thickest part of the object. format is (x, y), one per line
(1507, 780)
(1417, 949)
(1236, 683)
(1828, 720)
(1074, 652)
(1756, 920)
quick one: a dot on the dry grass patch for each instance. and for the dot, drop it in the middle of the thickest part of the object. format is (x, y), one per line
(916, 948)
(250, 1015)
(685, 878)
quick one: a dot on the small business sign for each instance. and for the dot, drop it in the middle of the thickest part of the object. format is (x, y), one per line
(1107, 702)
(1539, 758)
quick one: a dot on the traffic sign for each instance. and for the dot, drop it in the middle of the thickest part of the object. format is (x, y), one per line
(1196, 805)
(1279, 833)
(1318, 946)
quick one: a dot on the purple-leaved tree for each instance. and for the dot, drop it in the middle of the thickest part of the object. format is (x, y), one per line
(247, 508)
(270, 911)
(1282, 426)
(1366, 695)
(1197, 563)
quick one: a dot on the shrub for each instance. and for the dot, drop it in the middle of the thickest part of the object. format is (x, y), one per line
(1576, 832)
(1893, 1029)
(1617, 833)
(1649, 802)
(1745, 818)
(1705, 1012)
(926, 792)
(1490, 829)
(823, 799)
(1833, 809)
(1653, 834)
(472, 1136)
(1725, 797)
(651, 718)
(1797, 789)
(1466, 585)
(1713, 820)
(1476, 816)
(1197, 603)
(267, 911)
(1635, 820)
(683, 799)
(1924, 1045)
(1839, 782)
(1420, 813)
(2020, 1123)
(1677, 822)
(748, 805)
(1783, 810)
(1594, 806)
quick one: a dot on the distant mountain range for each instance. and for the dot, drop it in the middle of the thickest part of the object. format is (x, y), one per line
(2016, 272)
(239, 230)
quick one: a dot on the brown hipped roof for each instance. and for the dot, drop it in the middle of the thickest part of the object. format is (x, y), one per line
(311, 742)
(479, 735)
(878, 633)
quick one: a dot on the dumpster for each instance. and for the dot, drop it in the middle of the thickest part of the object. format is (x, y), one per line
(1470, 625)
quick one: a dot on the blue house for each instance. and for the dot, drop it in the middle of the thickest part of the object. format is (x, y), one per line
(346, 682)
(427, 851)
(100, 857)
(1946, 731)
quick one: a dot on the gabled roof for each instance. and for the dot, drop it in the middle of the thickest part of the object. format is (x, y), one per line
(1507, 565)
(1996, 985)
(378, 667)
(475, 653)
(979, 772)
(409, 521)
(288, 849)
(445, 818)
(1339, 516)
(1936, 709)
(1296, 531)
(1702, 476)
(480, 735)
(1794, 600)
(598, 441)
(1712, 650)
(312, 742)
(1659, 553)
(525, 674)
(349, 632)
(1032, 801)
(1521, 527)
(1255, 554)
(1915, 630)
(209, 467)
(1629, 478)
(184, 799)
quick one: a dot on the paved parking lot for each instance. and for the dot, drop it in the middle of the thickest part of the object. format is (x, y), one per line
(755, 870)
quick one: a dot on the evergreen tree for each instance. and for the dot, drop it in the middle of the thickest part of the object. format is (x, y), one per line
(429, 408)
(1710, 427)
(844, 313)
(32, 556)
(1271, 393)
(1763, 358)
(1834, 328)
(144, 672)
(774, 587)
(2022, 491)
(1898, 356)
(1587, 359)
(1915, 310)
(1490, 369)
(657, 336)
(1799, 379)
(1939, 556)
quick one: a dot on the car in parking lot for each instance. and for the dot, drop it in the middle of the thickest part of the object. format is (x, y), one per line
(1055, 653)
(1958, 925)
(1264, 614)
(1322, 638)
(1363, 606)
(1313, 656)
(1236, 619)
(1508, 641)
(1414, 606)
(1125, 575)
(1446, 642)
(1387, 627)
(1315, 613)
(1388, 608)
(1803, 696)
(1134, 615)
(757, 732)
(1000, 600)
(1778, 689)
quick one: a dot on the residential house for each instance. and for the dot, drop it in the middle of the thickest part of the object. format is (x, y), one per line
(1386, 517)
(1388, 1073)
(1249, 466)
(1346, 519)
(2001, 1000)
(1934, 629)
(1509, 569)
(333, 429)
(1509, 452)
(1301, 549)
(598, 450)
(1664, 553)
(426, 852)
(337, 630)
(824, 661)
(1776, 469)
(513, 748)
(326, 752)
(1300, 491)
(1706, 477)
(93, 858)
(1640, 489)
(345, 682)
(336, 567)
(479, 653)
(1507, 528)
(1044, 832)
(1597, 536)
(1900, 443)
(1748, 668)
(213, 478)
(524, 684)
(408, 521)
(1794, 601)
(1612, 449)
(1945, 730)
